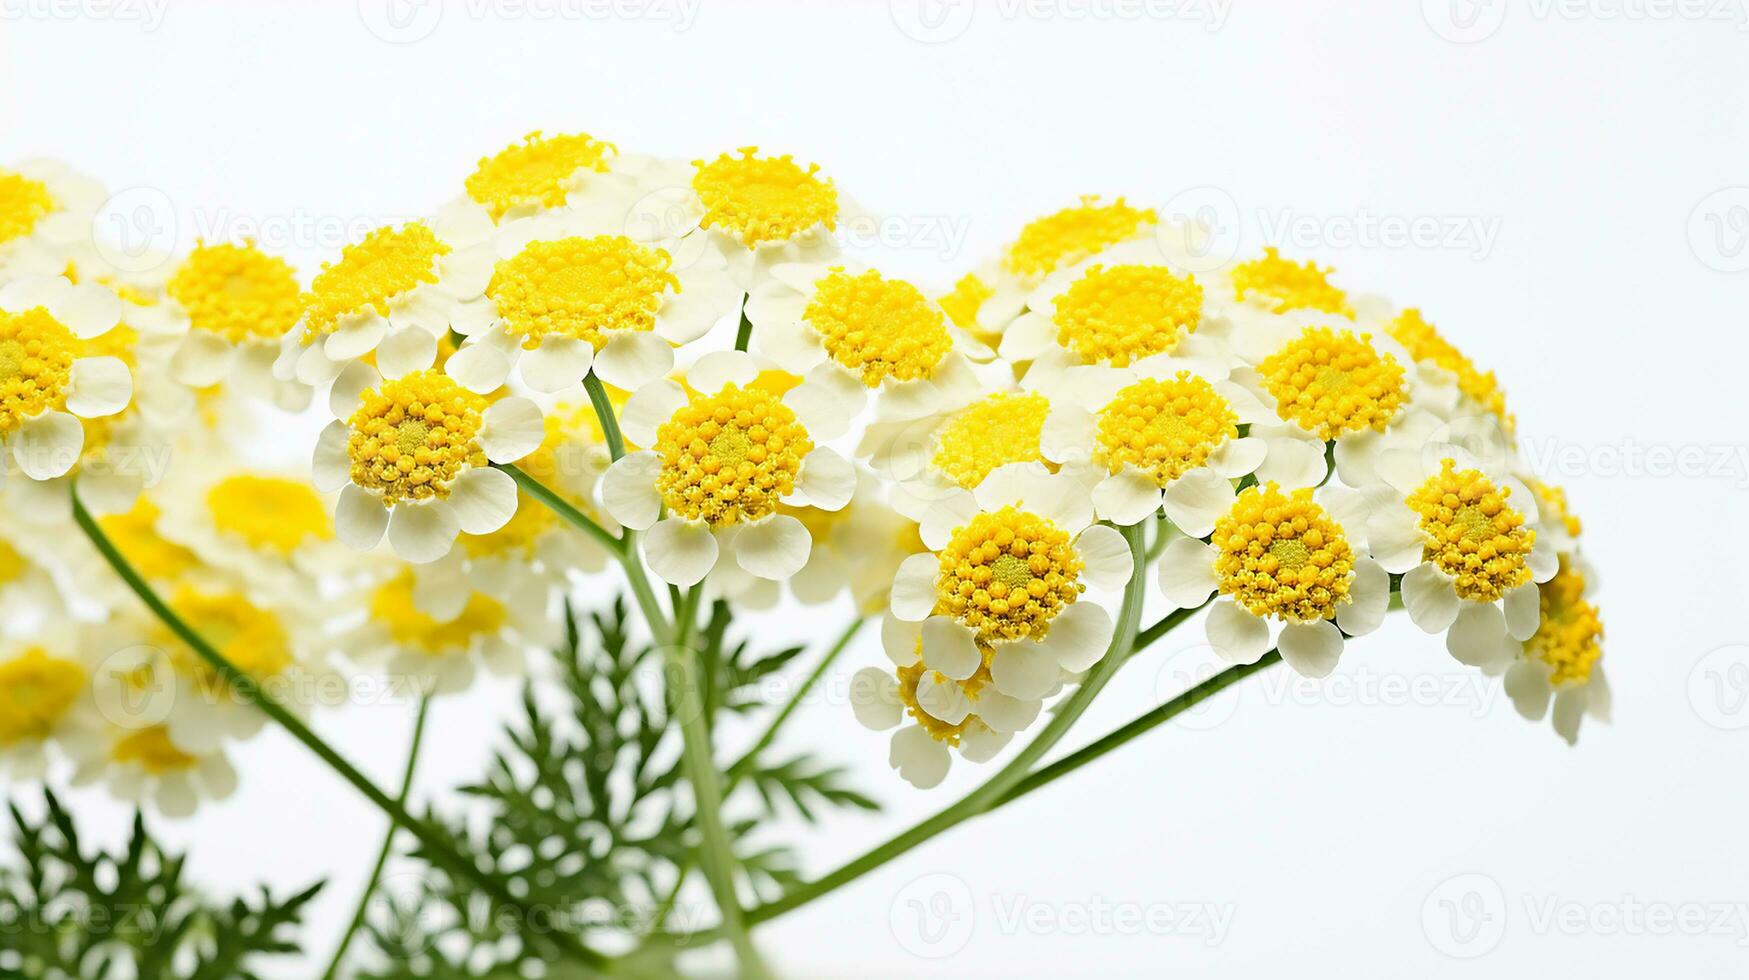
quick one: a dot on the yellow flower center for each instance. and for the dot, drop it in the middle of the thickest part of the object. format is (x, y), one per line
(23, 202)
(36, 692)
(1570, 637)
(581, 288)
(1553, 501)
(414, 435)
(1282, 556)
(537, 171)
(268, 513)
(36, 364)
(135, 535)
(1330, 383)
(1007, 573)
(962, 304)
(1000, 428)
(250, 637)
(1123, 313)
(730, 457)
(392, 605)
(152, 750)
(1073, 234)
(1165, 428)
(1472, 534)
(878, 328)
(1283, 285)
(1425, 344)
(371, 274)
(910, 677)
(763, 199)
(237, 291)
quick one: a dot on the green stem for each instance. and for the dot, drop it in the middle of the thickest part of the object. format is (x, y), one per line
(616, 444)
(251, 692)
(559, 505)
(715, 849)
(746, 761)
(1166, 624)
(743, 333)
(376, 871)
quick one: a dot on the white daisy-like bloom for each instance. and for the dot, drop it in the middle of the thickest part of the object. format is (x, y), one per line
(572, 293)
(143, 766)
(233, 305)
(1287, 571)
(760, 211)
(400, 288)
(857, 548)
(543, 173)
(46, 213)
(409, 451)
(1467, 540)
(442, 656)
(1449, 383)
(1003, 588)
(44, 676)
(724, 456)
(1150, 442)
(852, 334)
(1561, 662)
(48, 381)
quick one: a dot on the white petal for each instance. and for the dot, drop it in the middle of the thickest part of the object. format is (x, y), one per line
(1544, 560)
(1187, 573)
(1006, 714)
(942, 699)
(1478, 636)
(1126, 497)
(827, 480)
(774, 548)
(479, 367)
(202, 359)
(1196, 500)
(99, 386)
(1109, 563)
(1079, 636)
(557, 364)
(405, 351)
(874, 698)
(331, 465)
(633, 359)
(87, 309)
(628, 490)
(1238, 457)
(1293, 463)
(1057, 496)
(1030, 335)
(825, 404)
(702, 302)
(1430, 598)
(1357, 456)
(360, 518)
(1523, 612)
(913, 597)
(902, 641)
(484, 499)
(355, 337)
(349, 386)
(648, 408)
(1569, 711)
(981, 743)
(920, 760)
(1527, 684)
(1025, 670)
(1370, 599)
(1394, 536)
(711, 372)
(680, 552)
(943, 516)
(1236, 635)
(951, 649)
(47, 446)
(511, 429)
(1312, 649)
(423, 532)
(1068, 435)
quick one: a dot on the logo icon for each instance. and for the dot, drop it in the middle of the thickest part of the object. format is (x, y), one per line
(933, 916)
(1465, 916)
(1464, 21)
(1718, 230)
(136, 230)
(932, 21)
(1201, 225)
(1718, 688)
(401, 21)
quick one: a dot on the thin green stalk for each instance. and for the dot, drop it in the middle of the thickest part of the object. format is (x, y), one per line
(716, 852)
(744, 763)
(743, 333)
(376, 871)
(559, 505)
(251, 692)
(616, 443)
(1166, 624)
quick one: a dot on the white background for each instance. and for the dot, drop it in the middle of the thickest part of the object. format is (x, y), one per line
(1605, 144)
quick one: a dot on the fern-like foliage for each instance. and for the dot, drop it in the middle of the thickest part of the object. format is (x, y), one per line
(66, 912)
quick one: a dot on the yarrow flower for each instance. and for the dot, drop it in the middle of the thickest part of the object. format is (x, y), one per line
(46, 213)
(758, 211)
(234, 304)
(48, 381)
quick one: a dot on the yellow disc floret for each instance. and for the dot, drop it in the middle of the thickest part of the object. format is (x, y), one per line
(1119, 314)
(37, 689)
(23, 202)
(763, 199)
(1570, 637)
(412, 436)
(537, 172)
(1282, 555)
(582, 288)
(251, 638)
(411, 628)
(1000, 428)
(878, 328)
(371, 274)
(237, 291)
(1425, 344)
(135, 534)
(1331, 383)
(1473, 535)
(962, 304)
(1073, 234)
(36, 364)
(1007, 573)
(152, 750)
(1552, 501)
(1165, 428)
(268, 513)
(730, 457)
(1283, 284)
